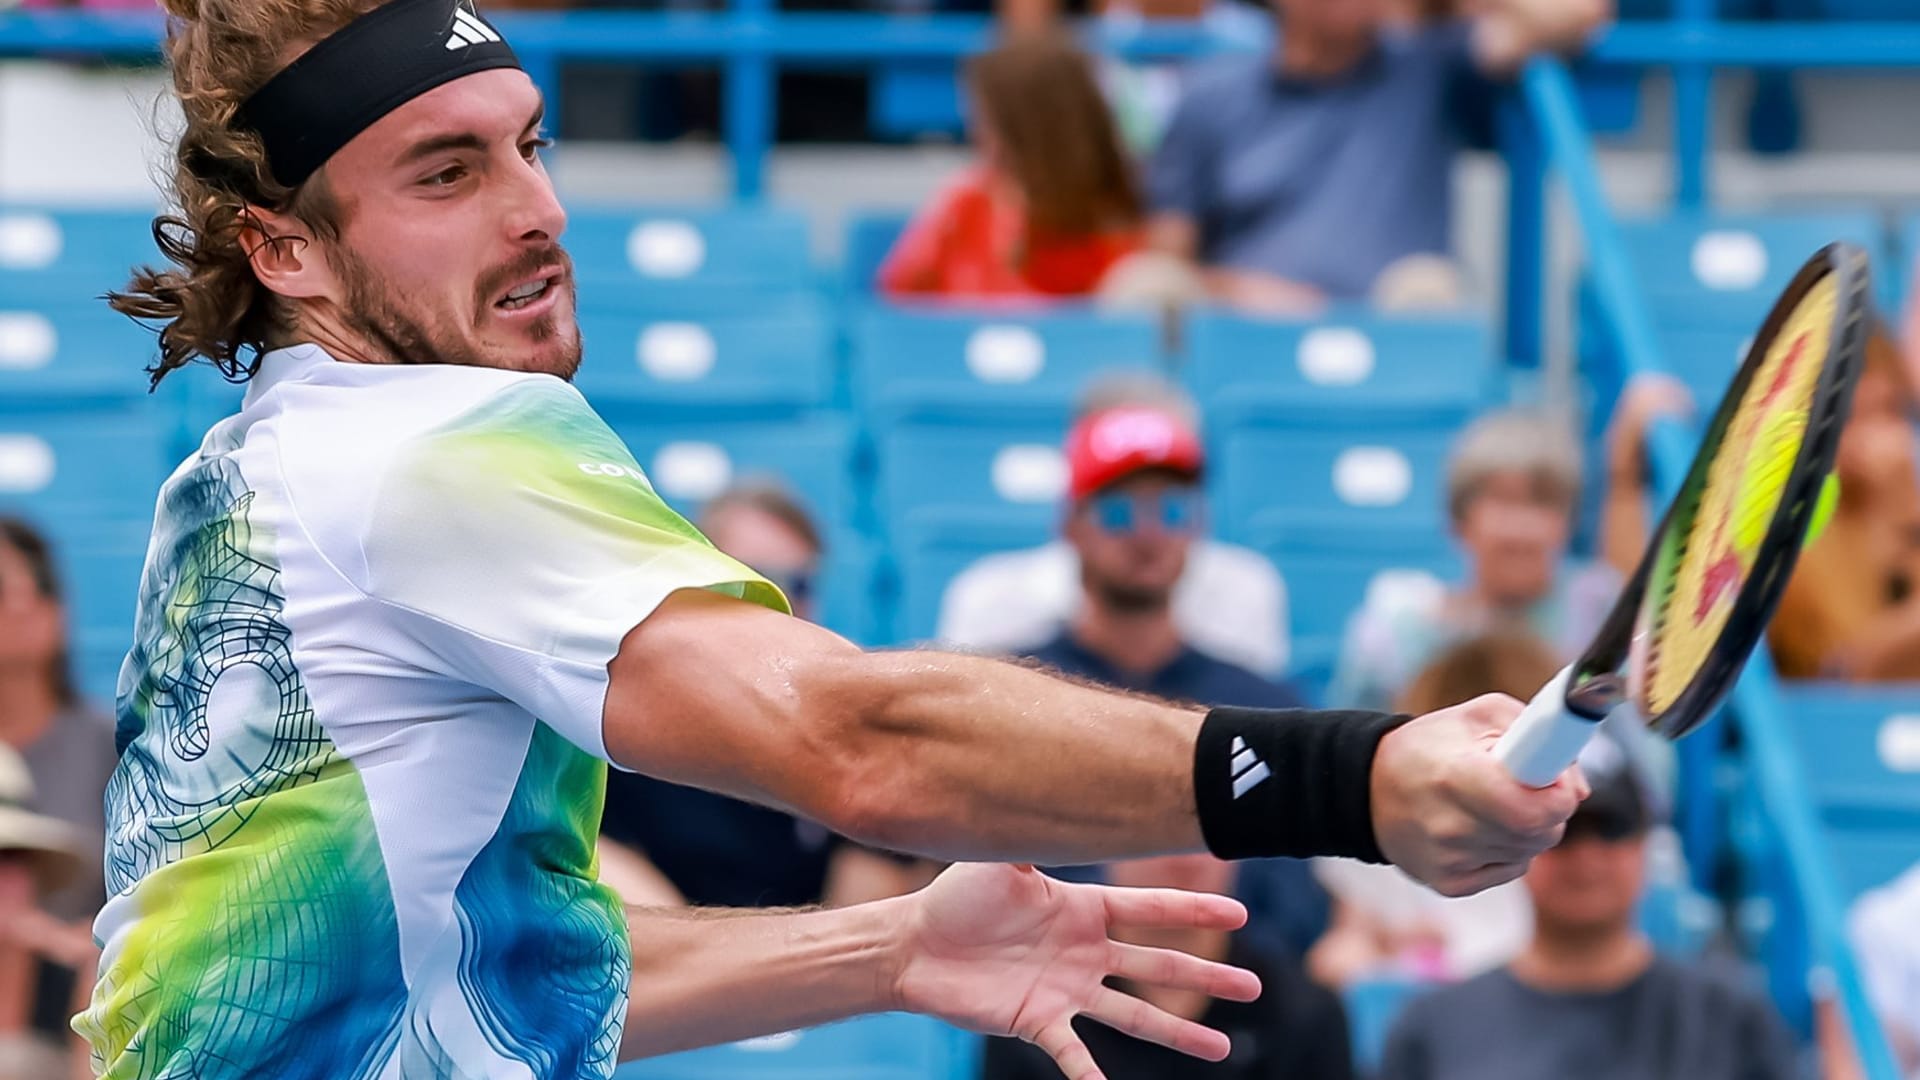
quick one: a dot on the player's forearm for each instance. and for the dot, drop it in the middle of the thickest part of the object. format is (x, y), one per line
(704, 977)
(965, 758)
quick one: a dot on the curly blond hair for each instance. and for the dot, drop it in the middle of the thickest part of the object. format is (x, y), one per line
(208, 304)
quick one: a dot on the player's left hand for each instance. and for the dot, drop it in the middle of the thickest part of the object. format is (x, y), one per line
(1006, 950)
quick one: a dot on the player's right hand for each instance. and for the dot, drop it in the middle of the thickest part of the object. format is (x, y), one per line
(1448, 813)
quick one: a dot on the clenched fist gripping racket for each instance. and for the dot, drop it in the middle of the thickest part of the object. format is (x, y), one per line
(1759, 490)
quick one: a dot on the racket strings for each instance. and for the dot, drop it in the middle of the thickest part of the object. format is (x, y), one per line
(1712, 549)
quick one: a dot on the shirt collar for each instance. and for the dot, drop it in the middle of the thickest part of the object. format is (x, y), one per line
(280, 365)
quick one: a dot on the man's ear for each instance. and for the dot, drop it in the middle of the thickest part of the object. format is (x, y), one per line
(285, 255)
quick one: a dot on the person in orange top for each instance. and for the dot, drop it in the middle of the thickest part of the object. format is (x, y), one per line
(1852, 608)
(1052, 203)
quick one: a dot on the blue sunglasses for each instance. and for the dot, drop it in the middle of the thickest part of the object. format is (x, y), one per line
(1173, 511)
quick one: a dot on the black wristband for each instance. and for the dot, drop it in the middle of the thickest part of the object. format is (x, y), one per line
(1288, 782)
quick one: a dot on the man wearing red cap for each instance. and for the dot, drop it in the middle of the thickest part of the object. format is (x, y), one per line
(1134, 513)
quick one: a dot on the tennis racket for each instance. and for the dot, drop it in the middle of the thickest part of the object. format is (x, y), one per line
(1682, 629)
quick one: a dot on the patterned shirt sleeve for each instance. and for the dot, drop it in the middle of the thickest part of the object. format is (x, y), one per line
(519, 543)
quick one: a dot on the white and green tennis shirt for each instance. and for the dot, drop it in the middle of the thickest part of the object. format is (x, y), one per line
(352, 830)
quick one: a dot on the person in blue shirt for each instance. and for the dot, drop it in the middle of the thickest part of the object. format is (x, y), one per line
(1301, 175)
(1134, 512)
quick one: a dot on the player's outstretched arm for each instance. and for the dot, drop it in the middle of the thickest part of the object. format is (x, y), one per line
(967, 758)
(996, 949)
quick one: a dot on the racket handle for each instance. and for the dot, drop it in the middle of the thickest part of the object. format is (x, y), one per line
(1546, 738)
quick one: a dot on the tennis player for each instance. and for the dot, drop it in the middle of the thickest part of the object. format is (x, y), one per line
(399, 611)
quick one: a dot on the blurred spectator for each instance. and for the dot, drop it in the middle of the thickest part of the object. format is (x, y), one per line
(1229, 602)
(1589, 997)
(67, 746)
(1052, 203)
(1302, 175)
(1135, 511)
(665, 844)
(1296, 1030)
(1851, 609)
(39, 856)
(1513, 483)
(1385, 924)
(1884, 931)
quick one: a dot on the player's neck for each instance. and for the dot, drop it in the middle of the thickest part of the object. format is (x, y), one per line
(1578, 962)
(1135, 642)
(28, 705)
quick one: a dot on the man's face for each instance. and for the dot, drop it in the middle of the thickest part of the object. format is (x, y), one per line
(771, 548)
(1515, 534)
(1132, 538)
(31, 627)
(449, 245)
(1588, 885)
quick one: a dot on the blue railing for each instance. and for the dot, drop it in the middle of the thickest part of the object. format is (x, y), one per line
(751, 42)
(1551, 101)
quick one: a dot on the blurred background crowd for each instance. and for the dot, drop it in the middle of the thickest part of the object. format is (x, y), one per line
(1186, 373)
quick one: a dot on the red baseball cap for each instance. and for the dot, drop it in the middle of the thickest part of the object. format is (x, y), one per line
(1115, 443)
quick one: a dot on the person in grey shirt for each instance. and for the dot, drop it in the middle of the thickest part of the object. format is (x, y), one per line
(1588, 999)
(1301, 175)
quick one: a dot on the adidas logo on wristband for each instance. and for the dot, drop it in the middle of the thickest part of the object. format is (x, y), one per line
(1248, 769)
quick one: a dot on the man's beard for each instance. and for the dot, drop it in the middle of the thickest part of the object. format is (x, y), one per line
(406, 339)
(1123, 599)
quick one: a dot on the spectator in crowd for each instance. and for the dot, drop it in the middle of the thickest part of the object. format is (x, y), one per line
(1296, 1030)
(1852, 607)
(1513, 483)
(68, 747)
(1884, 930)
(1229, 601)
(1589, 997)
(1135, 511)
(665, 844)
(1052, 202)
(1385, 924)
(39, 856)
(1302, 175)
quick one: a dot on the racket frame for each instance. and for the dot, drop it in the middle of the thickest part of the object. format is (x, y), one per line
(1596, 686)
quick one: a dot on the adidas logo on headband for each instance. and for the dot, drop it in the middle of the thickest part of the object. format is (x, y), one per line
(468, 30)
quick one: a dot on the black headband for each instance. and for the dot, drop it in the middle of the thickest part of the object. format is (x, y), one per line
(365, 70)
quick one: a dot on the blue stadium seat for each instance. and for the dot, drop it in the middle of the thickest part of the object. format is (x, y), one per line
(929, 556)
(697, 260)
(888, 1047)
(70, 256)
(849, 601)
(1329, 566)
(69, 349)
(1364, 480)
(870, 236)
(1705, 358)
(930, 476)
(99, 562)
(1705, 268)
(1341, 369)
(1860, 746)
(737, 365)
(96, 658)
(104, 461)
(963, 366)
(690, 462)
(1372, 1006)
